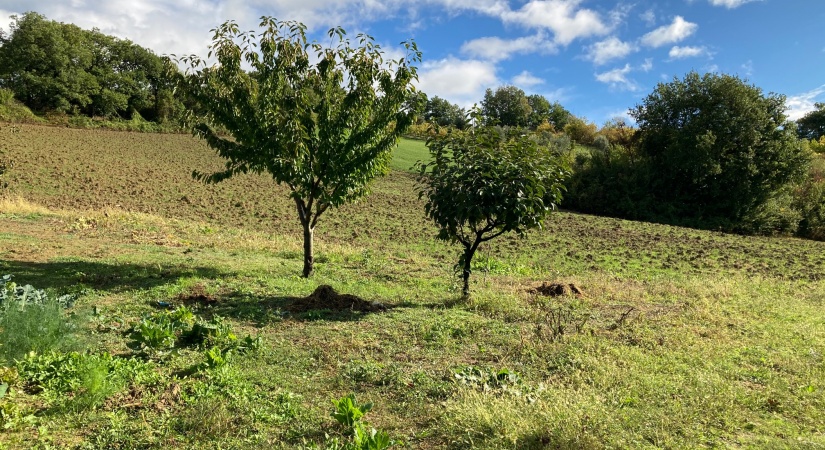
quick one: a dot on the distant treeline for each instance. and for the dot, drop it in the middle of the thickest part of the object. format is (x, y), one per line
(54, 67)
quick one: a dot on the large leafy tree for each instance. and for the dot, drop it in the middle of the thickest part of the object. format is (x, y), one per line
(812, 124)
(486, 182)
(507, 106)
(443, 113)
(717, 147)
(52, 66)
(321, 120)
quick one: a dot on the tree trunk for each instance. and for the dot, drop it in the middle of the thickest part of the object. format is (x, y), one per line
(308, 259)
(469, 252)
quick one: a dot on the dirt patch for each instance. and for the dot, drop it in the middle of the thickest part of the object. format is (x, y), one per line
(325, 297)
(556, 290)
(197, 295)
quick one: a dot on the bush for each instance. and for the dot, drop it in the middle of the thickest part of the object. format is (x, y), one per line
(809, 201)
(32, 321)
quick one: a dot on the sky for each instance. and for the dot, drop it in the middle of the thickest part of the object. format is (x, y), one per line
(598, 58)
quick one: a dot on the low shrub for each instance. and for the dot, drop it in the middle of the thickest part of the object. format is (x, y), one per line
(32, 321)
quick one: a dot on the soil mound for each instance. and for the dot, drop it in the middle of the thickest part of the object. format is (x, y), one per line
(197, 295)
(325, 297)
(556, 290)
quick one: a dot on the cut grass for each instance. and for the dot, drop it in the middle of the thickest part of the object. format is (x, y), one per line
(682, 339)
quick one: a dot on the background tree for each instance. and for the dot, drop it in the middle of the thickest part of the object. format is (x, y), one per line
(718, 147)
(52, 66)
(580, 130)
(443, 113)
(321, 120)
(485, 183)
(812, 125)
(507, 106)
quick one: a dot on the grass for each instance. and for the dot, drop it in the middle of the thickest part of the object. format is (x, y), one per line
(682, 339)
(409, 152)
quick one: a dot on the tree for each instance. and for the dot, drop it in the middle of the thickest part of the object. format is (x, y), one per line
(580, 130)
(812, 125)
(321, 120)
(53, 66)
(443, 113)
(485, 183)
(718, 147)
(508, 106)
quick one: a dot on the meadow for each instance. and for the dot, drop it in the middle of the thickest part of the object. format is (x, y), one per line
(679, 339)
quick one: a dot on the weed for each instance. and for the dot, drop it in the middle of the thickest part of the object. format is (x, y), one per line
(89, 378)
(32, 321)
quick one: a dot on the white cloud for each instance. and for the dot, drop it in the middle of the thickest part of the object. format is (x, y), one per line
(457, 80)
(687, 52)
(730, 4)
(748, 68)
(526, 80)
(497, 49)
(670, 34)
(608, 50)
(562, 17)
(801, 104)
(647, 66)
(648, 17)
(617, 79)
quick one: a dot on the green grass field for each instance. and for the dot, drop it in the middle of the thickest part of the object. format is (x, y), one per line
(681, 338)
(409, 152)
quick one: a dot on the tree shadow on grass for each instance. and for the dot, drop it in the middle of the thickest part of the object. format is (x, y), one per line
(266, 310)
(110, 277)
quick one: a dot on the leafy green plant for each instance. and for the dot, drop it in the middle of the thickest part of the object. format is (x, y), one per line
(33, 321)
(210, 333)
(347, 411)
(369, 439)
(161, 330)
(90, 378)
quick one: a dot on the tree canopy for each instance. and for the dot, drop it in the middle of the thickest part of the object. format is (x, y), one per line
(812, 125)
(718, 147)
(321, 120)
(485, 182)
(53, 66)
(443, 113)
(507, 106)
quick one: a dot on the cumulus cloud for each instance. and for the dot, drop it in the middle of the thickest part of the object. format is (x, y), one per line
(618, 79)
(730, 4)
(497, 49)
(801, 104)
(440, 78)
(608, 50)
(526, 80)
(562, 17)
(670, 34)
(647, 66)
(687, 52)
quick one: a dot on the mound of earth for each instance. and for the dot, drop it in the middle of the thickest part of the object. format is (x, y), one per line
(197, 295)
(325, 297)
(556, 290)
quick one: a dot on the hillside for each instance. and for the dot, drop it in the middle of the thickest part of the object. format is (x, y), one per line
(681, 338)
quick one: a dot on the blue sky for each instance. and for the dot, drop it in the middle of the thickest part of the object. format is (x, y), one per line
(597, 57)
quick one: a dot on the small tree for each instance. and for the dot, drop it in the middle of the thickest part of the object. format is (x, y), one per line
(320, 120)
(485, 183)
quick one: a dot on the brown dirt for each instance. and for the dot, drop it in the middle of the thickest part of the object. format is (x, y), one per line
(556, 290)
(197, 295)
(325, 297)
